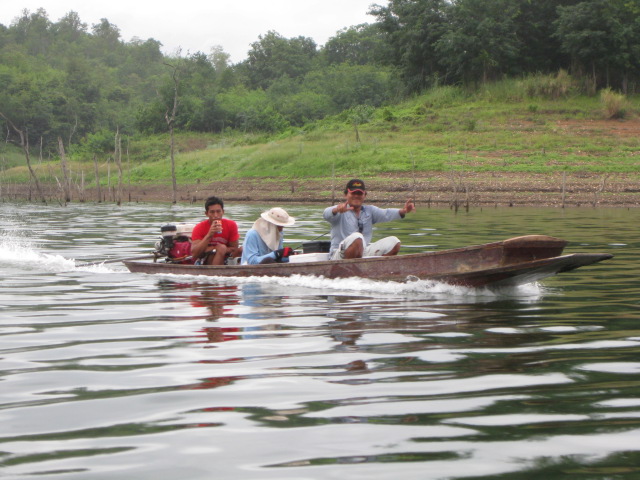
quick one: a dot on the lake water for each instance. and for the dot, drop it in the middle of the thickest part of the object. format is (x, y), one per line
(105, 374)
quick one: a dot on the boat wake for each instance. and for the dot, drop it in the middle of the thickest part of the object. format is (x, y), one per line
(21, 253)
(17, 251)
(412, 288)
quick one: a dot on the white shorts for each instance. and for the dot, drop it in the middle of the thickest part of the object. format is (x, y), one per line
(375, 249)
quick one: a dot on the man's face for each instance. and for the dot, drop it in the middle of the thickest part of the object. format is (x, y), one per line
(214, 212)
(356, 198)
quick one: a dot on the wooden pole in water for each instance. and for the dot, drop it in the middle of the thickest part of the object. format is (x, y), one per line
(95, 166)
(333, 182)
(414, 178)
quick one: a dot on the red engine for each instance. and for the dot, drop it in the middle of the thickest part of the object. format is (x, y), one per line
(181, 250)
(175, 243)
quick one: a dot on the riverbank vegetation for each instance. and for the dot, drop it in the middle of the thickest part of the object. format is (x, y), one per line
(467, 86)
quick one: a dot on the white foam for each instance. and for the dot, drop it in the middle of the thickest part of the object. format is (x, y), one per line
(416, 288)
(20, 251)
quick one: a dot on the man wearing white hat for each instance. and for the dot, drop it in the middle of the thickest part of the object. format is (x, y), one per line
(263, 243)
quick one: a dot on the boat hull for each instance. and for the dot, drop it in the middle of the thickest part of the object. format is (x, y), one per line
(511, 262)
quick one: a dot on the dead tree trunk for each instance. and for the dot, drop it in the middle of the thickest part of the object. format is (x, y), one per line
(66, 184)
(171, 119)
(129, 171)
(95, 166)
(108, 178)
(24, 143)
(81, 187)
(2, 162)
(599, 190)
(413, 174)
(118, 159)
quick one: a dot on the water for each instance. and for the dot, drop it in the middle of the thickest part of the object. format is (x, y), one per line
(107, 374)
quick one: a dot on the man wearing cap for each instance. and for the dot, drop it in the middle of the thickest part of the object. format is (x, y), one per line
(352, 225)
(216, 238)
(264, 241)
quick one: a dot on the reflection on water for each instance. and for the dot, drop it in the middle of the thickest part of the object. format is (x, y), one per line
(107, 374)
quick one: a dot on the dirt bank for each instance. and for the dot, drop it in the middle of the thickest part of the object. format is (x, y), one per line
(436, 189)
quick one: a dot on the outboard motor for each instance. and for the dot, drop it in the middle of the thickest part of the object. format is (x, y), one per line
(168, 233)
(175, 243)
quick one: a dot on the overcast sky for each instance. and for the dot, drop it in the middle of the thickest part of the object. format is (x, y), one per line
(197, 25)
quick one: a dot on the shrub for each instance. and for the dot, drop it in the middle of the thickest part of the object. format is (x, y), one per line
(440, 97)
(614, 104)
(549, 86)
(469, 124)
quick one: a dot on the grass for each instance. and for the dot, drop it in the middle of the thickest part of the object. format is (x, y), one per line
(535, 125)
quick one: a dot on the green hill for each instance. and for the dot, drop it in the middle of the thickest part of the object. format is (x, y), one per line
(501, 128)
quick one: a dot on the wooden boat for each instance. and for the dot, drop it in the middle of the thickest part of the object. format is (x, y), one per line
(510, 262)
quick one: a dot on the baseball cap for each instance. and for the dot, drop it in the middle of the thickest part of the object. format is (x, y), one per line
(355, 185)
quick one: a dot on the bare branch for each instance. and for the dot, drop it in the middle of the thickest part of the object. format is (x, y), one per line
(24, 143)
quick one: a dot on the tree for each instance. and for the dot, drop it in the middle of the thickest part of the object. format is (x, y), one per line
(274, 56)
(413, 28)
(540, 50)
(358, 45)
(107, 43)
(170, 119)
(359, 115)
(33, 31)
(600, 35)
(107, 32)
(82, 96)
(250, 111)
(481, 43)
(70, 28)
(66, 181)
(144, 54)
(219, 58)
(350, 85)
(24, 143)
(33, 97)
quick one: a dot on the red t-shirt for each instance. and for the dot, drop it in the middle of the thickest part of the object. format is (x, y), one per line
(229, 232)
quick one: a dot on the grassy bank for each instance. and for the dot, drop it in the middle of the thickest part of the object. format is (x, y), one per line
(511, 127)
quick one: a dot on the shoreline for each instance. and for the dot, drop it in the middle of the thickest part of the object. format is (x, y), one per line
(437, 189)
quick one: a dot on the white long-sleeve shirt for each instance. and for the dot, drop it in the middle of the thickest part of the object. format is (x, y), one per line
(254, 250)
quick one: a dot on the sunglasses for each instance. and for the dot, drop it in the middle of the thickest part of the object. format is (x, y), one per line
(360, 226)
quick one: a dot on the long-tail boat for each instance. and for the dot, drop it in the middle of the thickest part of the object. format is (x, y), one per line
(515, 261)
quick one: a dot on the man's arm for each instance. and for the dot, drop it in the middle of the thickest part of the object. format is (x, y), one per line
(341, 208)
(330, 214)
(199, 246)
(409, 206)
(232, 247)
(380, 215)
(234, 238)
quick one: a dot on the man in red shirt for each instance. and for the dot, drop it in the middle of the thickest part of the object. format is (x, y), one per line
(216, 238)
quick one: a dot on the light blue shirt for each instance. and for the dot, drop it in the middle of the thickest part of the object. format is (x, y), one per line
(344, 224)
(254, 250)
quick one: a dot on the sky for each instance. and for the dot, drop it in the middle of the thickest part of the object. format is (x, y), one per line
(191, 26)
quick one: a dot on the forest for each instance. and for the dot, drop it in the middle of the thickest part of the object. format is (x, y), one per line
(63, 82)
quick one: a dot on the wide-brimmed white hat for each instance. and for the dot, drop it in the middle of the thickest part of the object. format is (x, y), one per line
(278, 216)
